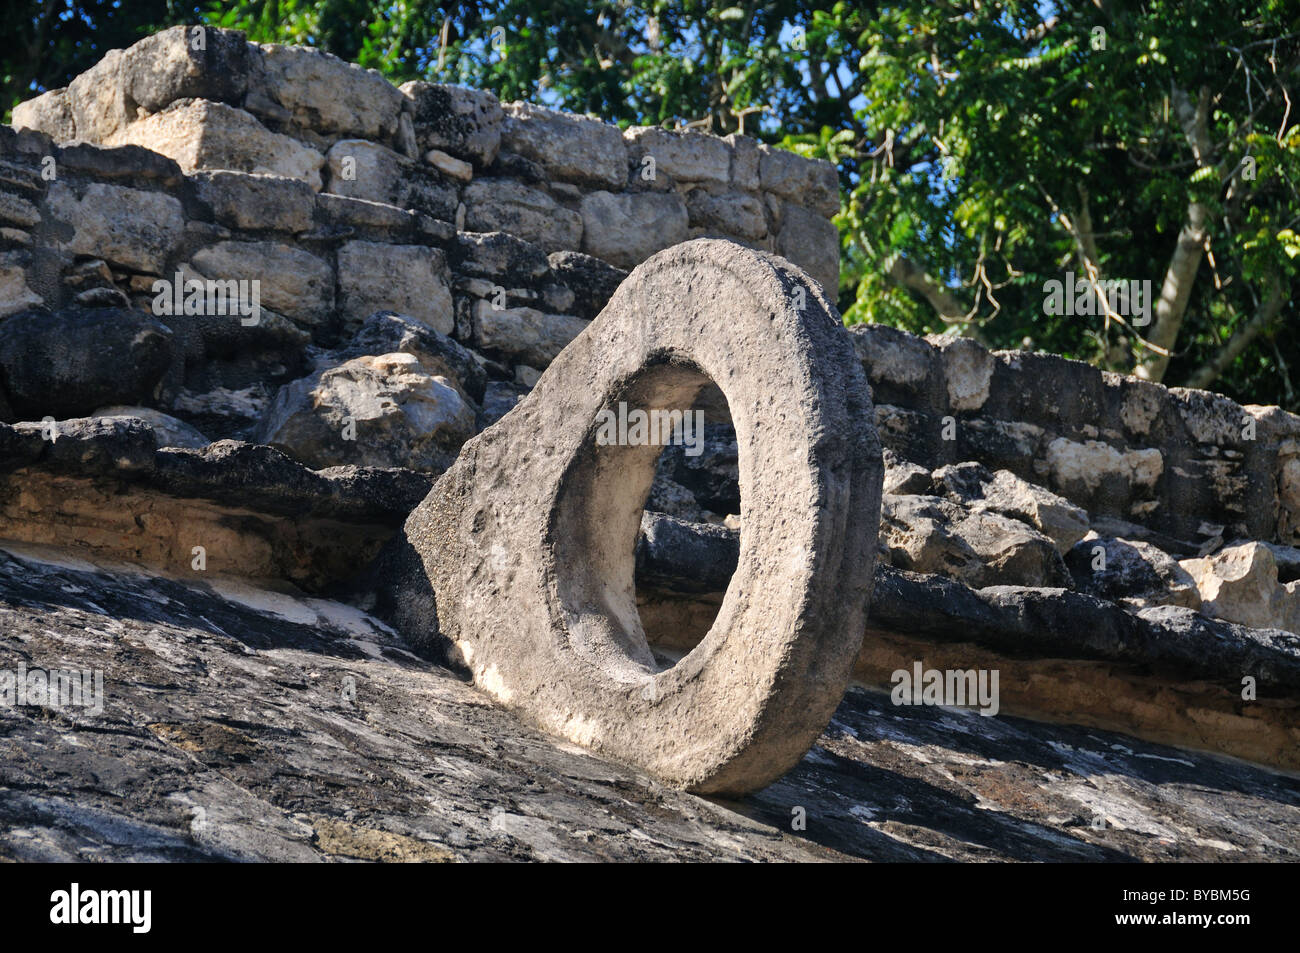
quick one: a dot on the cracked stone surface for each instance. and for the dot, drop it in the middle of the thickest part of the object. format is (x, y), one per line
(227, 733)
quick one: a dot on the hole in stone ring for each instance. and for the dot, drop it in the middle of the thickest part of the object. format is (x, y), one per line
(634, 611)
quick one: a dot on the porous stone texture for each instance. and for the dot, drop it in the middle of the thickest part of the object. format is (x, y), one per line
(366, 170)
(566, 650)
(1132, 572)
(384, 410)
(493, 205)
(349, 748)
(463, 122)
(129, 227)
(624, 229)
(523, 334)
(204, 135)
(410, 279)
(294, 282)
(169, 431)
(70, 362)
(683, 156)
(1240, 583)
(321, 92)
(569, 148)
(50, 113)
(1007, 494)
(257, 202)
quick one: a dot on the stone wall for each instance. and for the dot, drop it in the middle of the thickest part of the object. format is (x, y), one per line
(560, 181)
(1187, 469)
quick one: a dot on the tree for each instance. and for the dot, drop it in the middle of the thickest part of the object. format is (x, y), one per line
(1009, 141)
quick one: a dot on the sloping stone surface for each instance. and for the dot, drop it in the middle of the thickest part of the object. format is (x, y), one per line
(229, 733)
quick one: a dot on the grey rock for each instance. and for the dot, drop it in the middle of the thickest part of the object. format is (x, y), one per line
(365, 170)
(929, 534)
(497, 255)
(50, 113)
(812, 243)
(570, 148)
(592, 281)
(465, 122)
(1003, 492)
(685, 156)
(409, 279)
(386, 331)
(133, 228)
(500, 205)
(328, 95)
(811, 183)
(796, 611)
(732, 213)
(67, 363)
(293, 281)
(1130, 571)
(168, 431)
(383, 410)
(523, 334)
(199, 134)
(186, 62)
(256, 202)
(627, 228)
(685, 557)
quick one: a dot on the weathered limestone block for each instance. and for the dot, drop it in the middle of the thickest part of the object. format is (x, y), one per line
(383, 410)
(570, 148)
(499, 256)
(293, 282)
(133, 228)
(967, 371)
(896, 362)
(17, 211)
(733, 213)
(364, 170)
(328, 95)
(592, 281)
(1240, 583)
(812, 243)
(524, 334)
(203, 135)
(385, 332)
(904, 478)
(744, 162)
(256, 202)
(503, 205)
(527, 541)
(409, 279)
(811, 183)
(1132, 572)
(464, 122)
(684, 156)
(50, 113)
(628, 228)
(98, 100)
(186, 62)
(1082, 470)
(979, 548)
(1003, 492)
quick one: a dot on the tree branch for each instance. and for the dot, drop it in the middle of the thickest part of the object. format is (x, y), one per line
(1265, 315)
